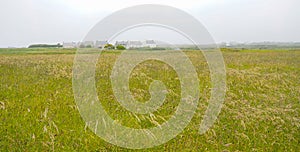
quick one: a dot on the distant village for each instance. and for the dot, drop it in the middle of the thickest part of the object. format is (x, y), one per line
(157, 45)
(117, 45)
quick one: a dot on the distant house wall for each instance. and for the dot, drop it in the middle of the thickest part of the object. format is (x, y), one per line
(150, 43)
(69, 45)
(86, 44)
(123, 43)
(135, 44)
(100, 44)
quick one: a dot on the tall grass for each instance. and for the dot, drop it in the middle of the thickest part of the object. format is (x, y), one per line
(260, 112)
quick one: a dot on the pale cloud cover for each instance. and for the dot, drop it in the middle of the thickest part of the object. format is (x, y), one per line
(42, 21)
(96, 6)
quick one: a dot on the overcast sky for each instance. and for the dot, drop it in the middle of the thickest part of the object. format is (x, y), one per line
(24, 22)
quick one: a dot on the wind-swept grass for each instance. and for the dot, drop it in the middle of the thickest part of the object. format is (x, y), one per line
(260, 112)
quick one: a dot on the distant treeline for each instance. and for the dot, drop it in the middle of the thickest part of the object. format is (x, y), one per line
(45, 46)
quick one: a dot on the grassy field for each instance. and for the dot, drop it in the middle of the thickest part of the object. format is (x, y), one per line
(261, 111)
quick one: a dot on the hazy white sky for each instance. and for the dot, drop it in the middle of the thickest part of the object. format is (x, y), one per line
(50, 21)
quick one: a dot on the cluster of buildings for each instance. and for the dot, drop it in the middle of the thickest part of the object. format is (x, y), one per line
(102, 44)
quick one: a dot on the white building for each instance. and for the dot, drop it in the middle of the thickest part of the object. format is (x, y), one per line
(123, 43)
(100, 44)
(69, 45)
(87, 44)
(137, 44)
(134, 44)
(150, 43)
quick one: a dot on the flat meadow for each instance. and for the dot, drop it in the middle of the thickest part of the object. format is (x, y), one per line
(261, 111)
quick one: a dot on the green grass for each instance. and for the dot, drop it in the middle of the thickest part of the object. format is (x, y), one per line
(22, 51)
(260, 112)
